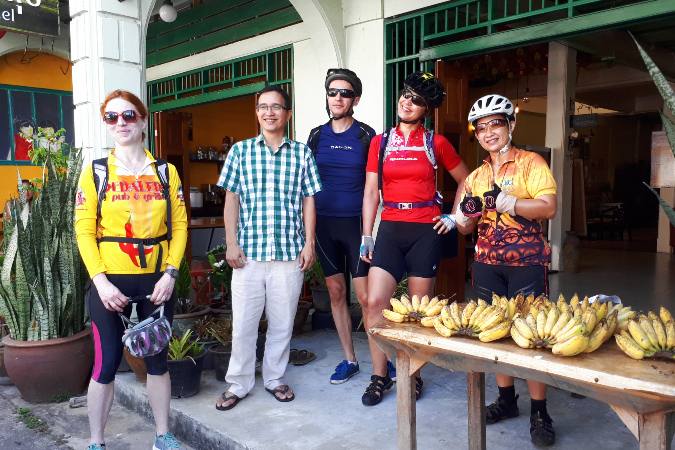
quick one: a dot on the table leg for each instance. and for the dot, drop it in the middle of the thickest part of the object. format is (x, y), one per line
(655, 431)
(475, 386)
(405, 403)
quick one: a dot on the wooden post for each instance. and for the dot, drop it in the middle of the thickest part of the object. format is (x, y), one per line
(654, 430)
(405, 403)
(475, 387)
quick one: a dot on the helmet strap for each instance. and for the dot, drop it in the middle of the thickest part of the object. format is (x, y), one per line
(507, 147)
(349, 112)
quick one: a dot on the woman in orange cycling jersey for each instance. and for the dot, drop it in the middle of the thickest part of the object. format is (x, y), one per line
(131, 228)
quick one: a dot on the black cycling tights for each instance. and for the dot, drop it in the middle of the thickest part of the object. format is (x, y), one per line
(107, 327)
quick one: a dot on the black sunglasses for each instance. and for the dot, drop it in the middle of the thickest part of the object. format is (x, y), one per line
(344, 93)
(414, 98)
(129, 116)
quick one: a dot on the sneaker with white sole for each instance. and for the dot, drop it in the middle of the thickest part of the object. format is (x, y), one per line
(344, 371)
(166, 441)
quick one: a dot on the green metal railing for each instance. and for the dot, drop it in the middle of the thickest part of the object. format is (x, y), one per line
(462, 27)
(242, 76)
(10, 127)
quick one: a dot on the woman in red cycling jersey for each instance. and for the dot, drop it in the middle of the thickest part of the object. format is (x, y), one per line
(402, 163)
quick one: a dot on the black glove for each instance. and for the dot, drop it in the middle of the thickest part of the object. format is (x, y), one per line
(490, 198)
(471, 206)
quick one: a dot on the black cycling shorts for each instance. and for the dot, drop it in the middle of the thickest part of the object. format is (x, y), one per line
(508, 281)
(407, 248)
(338, 240)
(107, 327)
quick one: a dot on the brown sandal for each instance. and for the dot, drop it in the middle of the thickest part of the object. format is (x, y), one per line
(226, 398)
(281, 389)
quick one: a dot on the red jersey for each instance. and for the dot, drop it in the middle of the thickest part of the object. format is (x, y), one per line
(408, 175)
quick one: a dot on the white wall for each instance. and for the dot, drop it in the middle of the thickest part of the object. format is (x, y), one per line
(14, 42)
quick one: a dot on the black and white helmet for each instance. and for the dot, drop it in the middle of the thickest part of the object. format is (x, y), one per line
(490, 104)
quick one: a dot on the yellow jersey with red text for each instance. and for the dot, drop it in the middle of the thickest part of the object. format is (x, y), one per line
(134, 207)
(512, 240)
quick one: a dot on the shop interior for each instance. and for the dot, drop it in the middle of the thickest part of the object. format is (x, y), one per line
(196, 140)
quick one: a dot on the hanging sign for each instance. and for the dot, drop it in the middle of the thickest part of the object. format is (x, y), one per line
(30, 16)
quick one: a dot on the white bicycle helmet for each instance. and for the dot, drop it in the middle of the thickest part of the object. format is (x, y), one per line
(490, 104)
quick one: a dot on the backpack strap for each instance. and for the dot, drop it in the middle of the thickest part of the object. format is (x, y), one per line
(162, 169)
(313, 139)
(366, 134)
(100, 171)
(380, 161)
(429, 147)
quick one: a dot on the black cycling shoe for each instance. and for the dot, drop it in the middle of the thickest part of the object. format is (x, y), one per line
(376, 389)
(500, 410)
(541, 429)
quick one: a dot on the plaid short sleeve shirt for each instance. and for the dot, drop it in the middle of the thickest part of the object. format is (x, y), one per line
(271, 187)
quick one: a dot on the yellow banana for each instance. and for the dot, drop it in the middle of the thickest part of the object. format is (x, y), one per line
(638, 335)
(589, 318)
(612, 323)
(532, 323)
(660, 331)
(665, 315)
(432, 303)
(424, 303)
(393, 316)
(512, 307)
(467, 312)
(541, 323)
(551, 320)
(602, 310)
(450, 323)
(398, 307)
(492, 319)
(585, 304)
(406, 302)
(482, 302)
(442, 329)
(629, 346)
(523, 328)
(670, 334)
(574, 331)
(574, 301)
(572, 346)
(476, 313)
(495, 299)
(652, 315)
(500, 331)
(534, 310)
(598, 336)
(415, 303)
(427, 321)
(647, 327)
(455, 313)
(520, 340)
(486, 312)
(433, 310)
(563, 319)
(564, 307)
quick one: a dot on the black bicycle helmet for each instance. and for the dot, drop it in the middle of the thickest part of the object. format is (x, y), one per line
(426, 85)
(346, 75)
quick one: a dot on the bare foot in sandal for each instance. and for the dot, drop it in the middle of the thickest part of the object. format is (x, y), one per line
(227, 400)
(282, 393)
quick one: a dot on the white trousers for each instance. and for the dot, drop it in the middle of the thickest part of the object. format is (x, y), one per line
(275, 287)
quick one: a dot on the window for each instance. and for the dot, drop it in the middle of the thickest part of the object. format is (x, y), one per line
(30, 108)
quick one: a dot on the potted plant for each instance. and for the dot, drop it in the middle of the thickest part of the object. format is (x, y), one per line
(186, 312)
(186, 356)
(42, 283)
(316, 280)
(221, 331)
(220, 278)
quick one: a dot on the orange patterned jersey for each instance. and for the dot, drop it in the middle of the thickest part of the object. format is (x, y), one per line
(512, 240)
(134, 207)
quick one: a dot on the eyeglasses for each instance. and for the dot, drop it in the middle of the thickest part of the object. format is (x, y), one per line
(264, 107)
(344, 93)
(493, 124)
(129, 116)
(414, 98)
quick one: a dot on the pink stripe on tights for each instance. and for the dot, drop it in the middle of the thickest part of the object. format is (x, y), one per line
(98, 353)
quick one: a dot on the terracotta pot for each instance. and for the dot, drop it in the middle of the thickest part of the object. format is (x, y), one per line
(46, 370)
(137, 366)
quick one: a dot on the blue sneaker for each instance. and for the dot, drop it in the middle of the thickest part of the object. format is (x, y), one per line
(96, 447)
(344, 371)
(391, 371)
(166, 441)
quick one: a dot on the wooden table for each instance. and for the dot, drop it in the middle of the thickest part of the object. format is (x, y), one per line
(642, 393)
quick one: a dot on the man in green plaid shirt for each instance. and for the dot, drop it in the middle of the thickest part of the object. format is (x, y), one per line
(269, 231)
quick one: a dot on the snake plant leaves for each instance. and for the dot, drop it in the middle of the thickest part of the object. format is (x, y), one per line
(660, 80)
(669, 128)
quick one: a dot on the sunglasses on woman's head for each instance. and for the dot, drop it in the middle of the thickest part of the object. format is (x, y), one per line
(344, 93)
(414, 98)
(129, 116)
(492, 124)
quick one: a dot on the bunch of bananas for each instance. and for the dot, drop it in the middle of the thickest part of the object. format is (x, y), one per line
(568, 329)
(413, 310)
(649, 335)
(475, 319)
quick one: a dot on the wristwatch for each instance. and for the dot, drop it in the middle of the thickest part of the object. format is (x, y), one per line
(173, 273)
